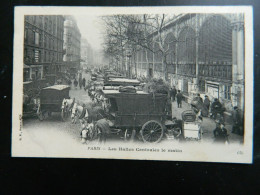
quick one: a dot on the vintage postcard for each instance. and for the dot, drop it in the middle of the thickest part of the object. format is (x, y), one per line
(145, 83)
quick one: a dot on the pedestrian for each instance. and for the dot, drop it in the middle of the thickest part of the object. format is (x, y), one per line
(199, 98)
(206, 102)
(69, 82)
(179, 98)
(220, 134)
(173, 93)
(80, 83)
(84, 82)
(236, 121)
(75, 83)
(216, 107)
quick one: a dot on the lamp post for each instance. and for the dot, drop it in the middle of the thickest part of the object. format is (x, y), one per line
(129, 55)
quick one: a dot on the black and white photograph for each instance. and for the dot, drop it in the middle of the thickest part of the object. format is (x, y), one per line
(138, 83)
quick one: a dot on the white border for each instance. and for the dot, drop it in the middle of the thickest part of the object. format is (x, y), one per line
(202, 152)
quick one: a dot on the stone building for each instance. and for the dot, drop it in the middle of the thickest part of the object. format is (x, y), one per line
(86, 53)
(71, 45)
(43, 45)
(206, 55)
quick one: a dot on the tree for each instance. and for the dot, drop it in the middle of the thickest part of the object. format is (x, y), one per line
(141, 32)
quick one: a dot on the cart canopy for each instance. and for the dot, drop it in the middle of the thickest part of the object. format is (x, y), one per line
(122, 82)
(136, 103)
(54, 94)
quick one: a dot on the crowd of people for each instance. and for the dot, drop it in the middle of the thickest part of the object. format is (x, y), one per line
(213, 109)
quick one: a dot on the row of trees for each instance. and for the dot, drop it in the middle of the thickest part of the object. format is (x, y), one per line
(134, 33)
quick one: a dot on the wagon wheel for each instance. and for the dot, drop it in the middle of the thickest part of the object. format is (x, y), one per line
(152, 131)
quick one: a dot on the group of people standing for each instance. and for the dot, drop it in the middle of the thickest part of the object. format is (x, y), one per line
(81, 83)
(176, 94)
(213, 109)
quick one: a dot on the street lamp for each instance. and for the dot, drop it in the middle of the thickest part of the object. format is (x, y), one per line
(129, 55)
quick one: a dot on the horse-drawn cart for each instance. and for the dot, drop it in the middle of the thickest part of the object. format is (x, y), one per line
(138, 113)
(51, 99)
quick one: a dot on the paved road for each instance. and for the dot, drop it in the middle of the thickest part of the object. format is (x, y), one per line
(53, 131)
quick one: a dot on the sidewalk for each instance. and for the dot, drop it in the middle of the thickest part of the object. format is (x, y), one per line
(208, 125)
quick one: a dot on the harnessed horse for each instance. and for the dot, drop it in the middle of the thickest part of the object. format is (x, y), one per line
(87, 116)
(67, 105)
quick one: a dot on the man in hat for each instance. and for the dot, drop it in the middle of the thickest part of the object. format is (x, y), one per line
(236, 121)
(173, 93)
(179, 97)
(220, 133)
(216, 107)
(206, 102)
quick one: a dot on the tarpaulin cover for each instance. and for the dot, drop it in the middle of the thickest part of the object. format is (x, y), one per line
(133, 110)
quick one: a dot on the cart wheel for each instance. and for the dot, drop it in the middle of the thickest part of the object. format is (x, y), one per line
(152, 131)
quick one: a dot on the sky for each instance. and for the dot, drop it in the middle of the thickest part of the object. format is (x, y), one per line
(90, 27)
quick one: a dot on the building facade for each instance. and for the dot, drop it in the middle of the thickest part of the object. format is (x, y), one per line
(86, 53)
(72, 44)
(205, 55)
(43, 45)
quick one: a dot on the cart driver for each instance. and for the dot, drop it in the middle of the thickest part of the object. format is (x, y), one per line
(220, 133)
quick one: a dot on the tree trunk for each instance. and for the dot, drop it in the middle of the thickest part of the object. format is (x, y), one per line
(165, 68)
(147, 61)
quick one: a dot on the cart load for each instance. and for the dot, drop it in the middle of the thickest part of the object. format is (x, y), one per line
(191, 127)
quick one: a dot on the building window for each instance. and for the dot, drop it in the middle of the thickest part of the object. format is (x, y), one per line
(36, 38)
(36, 55)
(40, 56)
(25, 55)
(202, 86)
(45, 56)
(40, 39)
(227, 92)
(34, 19)
(40, 21)
(26, 35)
(49, 43)
(46, 41)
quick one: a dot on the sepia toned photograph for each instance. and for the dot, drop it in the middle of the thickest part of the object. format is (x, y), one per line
(138, 83)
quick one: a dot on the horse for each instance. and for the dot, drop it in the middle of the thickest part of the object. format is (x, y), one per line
(67, 105)
(80, 113)
(87, 115)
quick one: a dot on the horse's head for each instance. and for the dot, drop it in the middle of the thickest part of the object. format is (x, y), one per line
(64, 104)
